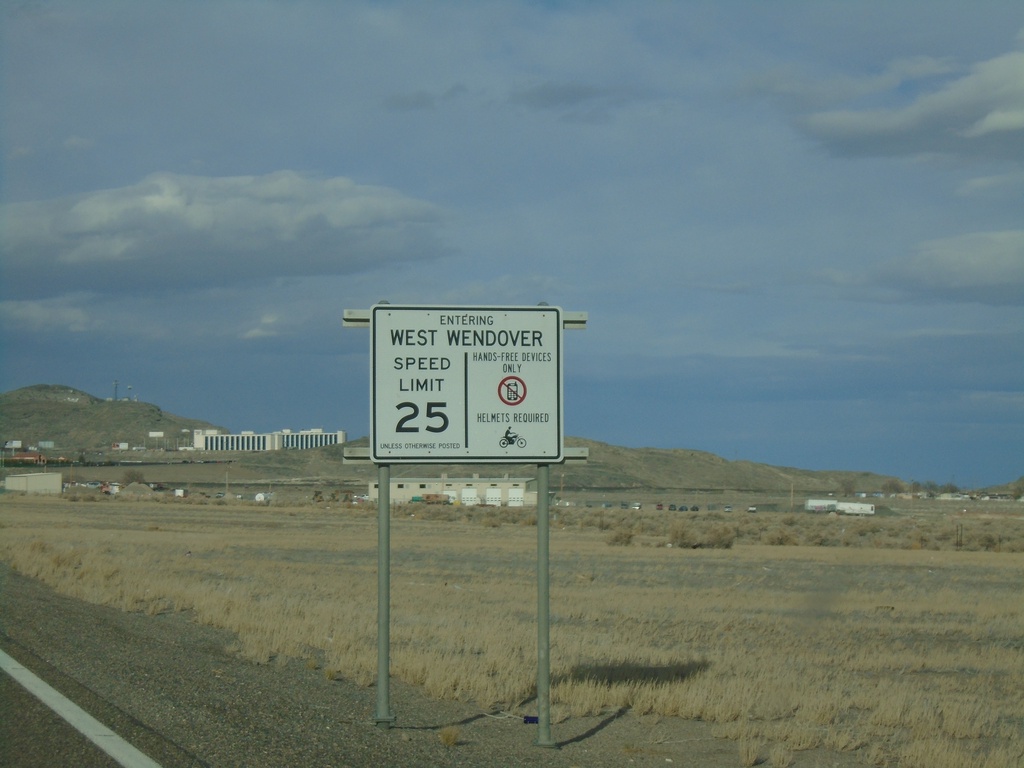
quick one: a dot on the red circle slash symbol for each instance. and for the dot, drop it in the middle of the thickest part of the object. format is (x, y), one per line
(512, 390)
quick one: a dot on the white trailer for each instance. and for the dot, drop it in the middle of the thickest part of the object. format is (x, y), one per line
(855, 508)
(820, 505)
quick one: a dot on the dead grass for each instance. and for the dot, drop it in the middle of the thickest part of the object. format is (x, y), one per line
(750, 751)
(450, 736)
(780, 757)
(909, 656)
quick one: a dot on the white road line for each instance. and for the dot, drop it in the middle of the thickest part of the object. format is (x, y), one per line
(87, 725)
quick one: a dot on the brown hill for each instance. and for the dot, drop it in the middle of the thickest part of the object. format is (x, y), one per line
(608, 467)
(611, 466)
(78, 423)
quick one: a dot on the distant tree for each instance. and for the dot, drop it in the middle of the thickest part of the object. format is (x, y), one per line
(847, 486)
(949, 488)
(132, 476)
(892, 486)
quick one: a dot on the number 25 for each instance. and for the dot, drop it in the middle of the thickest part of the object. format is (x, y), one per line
(433, 412)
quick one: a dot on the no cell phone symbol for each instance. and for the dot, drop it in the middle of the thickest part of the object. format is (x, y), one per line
(512, 390)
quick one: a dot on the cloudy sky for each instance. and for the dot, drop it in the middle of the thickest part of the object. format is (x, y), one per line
(797, 227)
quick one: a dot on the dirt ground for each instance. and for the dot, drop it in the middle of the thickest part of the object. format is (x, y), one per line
(189, 702)
(202, 704)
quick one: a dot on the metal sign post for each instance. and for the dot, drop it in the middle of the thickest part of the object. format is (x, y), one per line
(384, 717)
(543, 609)
(467, 385)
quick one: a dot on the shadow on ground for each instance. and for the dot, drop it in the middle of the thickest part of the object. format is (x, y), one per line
(630, 672)
(611, 718)
(625, 672)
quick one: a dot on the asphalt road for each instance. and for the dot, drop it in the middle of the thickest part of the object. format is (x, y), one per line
(34, 736)
(171, 688)
(69, 645)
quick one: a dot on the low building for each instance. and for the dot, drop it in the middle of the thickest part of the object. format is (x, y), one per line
(27, 457)
(474, 491)
(35, 482)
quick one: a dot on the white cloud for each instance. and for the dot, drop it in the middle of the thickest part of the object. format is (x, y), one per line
(980, 113)
(985, 267)
(265, 329)
(575, 101)
(260, 333)
(53, 315)
(803, 92)
(171, 230)
(996, 121)
(997, 184)
(77, 142)
(1005, 401)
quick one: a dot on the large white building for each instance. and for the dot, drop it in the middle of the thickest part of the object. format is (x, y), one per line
(504, 491)
(213, 440)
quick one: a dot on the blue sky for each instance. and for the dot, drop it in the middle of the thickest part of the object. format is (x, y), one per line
(797, 227)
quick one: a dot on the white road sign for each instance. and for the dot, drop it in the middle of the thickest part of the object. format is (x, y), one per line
(465, 384)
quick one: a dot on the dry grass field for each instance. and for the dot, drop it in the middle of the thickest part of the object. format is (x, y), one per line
(894, 641)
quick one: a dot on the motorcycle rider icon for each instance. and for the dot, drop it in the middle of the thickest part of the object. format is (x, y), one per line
(511, 438)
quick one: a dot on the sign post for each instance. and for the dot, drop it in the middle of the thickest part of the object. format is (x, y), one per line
(383, 717)
(467, 385)
(543, 608)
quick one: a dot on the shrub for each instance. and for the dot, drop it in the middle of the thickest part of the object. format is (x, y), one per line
(718, 536)
(721, 537)
(681, 535)
(620, 538)
(780, 537)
